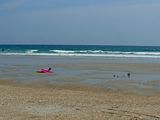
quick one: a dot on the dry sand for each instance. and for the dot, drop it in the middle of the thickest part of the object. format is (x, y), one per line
(61, 102)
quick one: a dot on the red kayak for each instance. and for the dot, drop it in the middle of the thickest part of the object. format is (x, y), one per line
(45, 71)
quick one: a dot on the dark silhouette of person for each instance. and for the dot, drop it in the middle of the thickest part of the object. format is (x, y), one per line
(2, 50)
(49, 69)
(128, 74)
(114, 76)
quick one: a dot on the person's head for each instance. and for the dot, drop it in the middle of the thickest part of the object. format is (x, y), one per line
(49, 68)
(128, 74)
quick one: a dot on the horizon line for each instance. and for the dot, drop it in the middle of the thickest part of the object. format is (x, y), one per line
(84, 45)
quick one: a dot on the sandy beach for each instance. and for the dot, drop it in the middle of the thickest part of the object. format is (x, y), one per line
(79, 89)
(63, 102)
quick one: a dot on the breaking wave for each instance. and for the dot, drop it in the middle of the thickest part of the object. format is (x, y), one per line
(82, 53)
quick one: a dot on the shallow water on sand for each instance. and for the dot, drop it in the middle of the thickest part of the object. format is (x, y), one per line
(95, 71)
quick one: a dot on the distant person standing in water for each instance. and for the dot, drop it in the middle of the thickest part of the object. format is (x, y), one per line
(128, 74)
(2, 50)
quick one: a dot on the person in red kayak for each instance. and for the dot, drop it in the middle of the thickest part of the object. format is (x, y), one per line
(49, 70)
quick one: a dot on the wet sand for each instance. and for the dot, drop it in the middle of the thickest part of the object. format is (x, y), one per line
(79, 89)
(63, 102)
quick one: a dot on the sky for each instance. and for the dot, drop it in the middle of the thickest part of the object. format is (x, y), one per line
(85, 22)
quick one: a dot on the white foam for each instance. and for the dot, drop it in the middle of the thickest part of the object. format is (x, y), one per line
(88, 53)
(62, 51)
(31, 51)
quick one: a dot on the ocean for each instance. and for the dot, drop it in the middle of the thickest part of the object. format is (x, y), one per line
(81, 50)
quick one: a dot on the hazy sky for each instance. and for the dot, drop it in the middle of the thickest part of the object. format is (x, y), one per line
(110, 22)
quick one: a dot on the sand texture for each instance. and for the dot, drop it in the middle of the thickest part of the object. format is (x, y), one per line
(42, 102)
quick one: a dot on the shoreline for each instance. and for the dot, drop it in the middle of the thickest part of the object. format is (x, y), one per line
(81, 88)
(102, 73)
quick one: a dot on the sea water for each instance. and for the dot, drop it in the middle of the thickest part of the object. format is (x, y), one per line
(81, 50)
